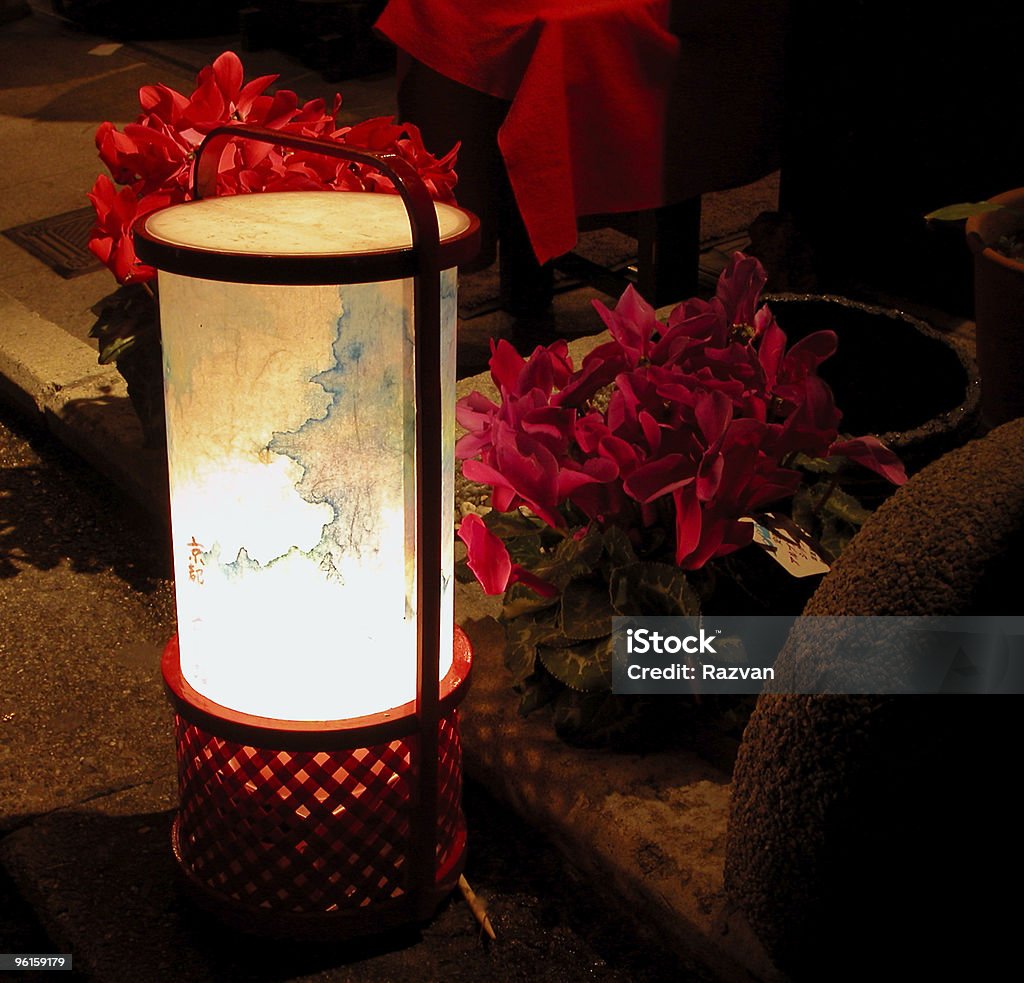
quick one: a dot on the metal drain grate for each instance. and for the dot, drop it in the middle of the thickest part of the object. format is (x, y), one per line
(61, 242)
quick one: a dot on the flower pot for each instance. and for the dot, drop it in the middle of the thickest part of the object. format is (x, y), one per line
(893, 375)
(998, 310)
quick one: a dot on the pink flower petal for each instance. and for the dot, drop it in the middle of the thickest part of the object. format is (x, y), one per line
(486, 555)
(872, 453)
(661, 477)
(739, 287)
(688, 523)
(520, 575)
(506, 365)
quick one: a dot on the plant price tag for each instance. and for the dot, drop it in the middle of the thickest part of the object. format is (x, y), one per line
(788, 544)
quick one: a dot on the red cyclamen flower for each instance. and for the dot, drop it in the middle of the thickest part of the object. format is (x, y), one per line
(152, 157)
(488, 558)
(696, 420)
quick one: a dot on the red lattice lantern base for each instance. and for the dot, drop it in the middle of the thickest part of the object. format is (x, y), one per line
(310, 829)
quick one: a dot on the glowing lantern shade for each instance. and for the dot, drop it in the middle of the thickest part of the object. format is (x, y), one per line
(309, 363)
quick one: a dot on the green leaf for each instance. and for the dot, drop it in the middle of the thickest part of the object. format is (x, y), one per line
(962, 210)
(648, 588)
(511, 525)
(521, 536)
(572, 558)
(817, 465)
(124, 319)
(835, 535)
(521, 638)
(110, 350)
(586, 613)
(618, 548)
(844, 506)
(804, 501)
(586, 666)
(810, 505)
(525, 550)
(520, 602)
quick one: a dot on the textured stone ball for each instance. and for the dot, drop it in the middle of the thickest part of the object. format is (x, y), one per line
(871, 831)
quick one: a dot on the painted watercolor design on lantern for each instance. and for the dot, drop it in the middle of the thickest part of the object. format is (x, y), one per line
(316, 593)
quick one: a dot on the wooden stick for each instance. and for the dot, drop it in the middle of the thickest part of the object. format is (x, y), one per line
(476, 906)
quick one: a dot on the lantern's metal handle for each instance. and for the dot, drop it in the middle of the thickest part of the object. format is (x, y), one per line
(429, 499)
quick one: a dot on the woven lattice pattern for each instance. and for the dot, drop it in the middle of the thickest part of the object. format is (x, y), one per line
(451, 823)
(309, 831)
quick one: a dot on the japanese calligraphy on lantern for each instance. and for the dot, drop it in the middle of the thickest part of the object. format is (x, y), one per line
(196, 561)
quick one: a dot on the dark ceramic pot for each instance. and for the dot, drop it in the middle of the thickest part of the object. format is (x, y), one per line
(893, 375)
(999, 310)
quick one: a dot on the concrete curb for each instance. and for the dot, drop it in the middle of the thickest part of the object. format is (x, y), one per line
(648, 829)
(55, 379)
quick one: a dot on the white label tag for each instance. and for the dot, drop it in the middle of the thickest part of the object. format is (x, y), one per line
(788, 544)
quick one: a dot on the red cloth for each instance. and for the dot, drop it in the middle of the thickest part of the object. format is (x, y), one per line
(587, 82)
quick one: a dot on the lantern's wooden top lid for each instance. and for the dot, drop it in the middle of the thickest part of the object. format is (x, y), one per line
(297, 237)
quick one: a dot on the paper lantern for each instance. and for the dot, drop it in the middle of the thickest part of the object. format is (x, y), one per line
(309, 370)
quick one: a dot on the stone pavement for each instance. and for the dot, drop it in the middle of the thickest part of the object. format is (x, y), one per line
(87, 845)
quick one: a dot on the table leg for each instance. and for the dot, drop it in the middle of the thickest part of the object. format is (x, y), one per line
(668, 247)
(527, 287)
